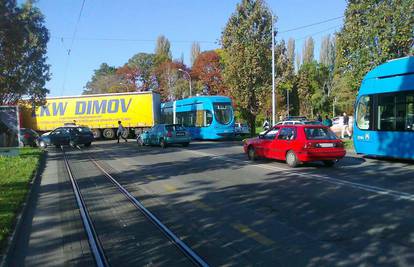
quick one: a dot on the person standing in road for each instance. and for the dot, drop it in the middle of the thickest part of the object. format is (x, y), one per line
(327, 121)
(120, 131)
(265, 125)
(319, 117)
(345, 126)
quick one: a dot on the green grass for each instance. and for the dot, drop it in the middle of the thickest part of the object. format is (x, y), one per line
(15, 174)
(349, 143)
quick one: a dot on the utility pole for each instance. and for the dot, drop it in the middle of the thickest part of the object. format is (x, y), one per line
(273, 76)
(287, 99)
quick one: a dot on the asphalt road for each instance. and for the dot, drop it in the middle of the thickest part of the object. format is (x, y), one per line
(234, 212)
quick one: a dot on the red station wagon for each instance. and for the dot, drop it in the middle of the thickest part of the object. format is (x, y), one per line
(296, 144)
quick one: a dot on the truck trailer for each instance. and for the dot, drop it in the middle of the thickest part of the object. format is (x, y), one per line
(101, 112)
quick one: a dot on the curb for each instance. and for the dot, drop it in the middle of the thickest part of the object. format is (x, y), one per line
(11, 240)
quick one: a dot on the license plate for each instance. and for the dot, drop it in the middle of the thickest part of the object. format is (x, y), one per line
(326, 145)
(180, 134)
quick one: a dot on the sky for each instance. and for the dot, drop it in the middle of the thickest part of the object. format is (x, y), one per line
(113, 31)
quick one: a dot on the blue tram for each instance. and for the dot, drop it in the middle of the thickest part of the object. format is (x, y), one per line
(384, 124)
(206, 117)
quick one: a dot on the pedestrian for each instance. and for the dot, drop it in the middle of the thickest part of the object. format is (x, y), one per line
(319, 117)
(345, 126)
(327, 121)
(120, 131)
(265, 125)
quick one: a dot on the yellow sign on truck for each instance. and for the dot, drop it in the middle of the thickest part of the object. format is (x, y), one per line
(101, 112)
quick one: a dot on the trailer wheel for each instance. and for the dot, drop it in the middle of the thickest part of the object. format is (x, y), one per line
(108, 133)
(96, 133)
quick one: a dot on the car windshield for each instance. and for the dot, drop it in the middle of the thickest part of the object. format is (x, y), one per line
(223, 112)
(319, 134)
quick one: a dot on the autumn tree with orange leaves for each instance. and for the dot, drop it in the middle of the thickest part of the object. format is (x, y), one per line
(208, 70)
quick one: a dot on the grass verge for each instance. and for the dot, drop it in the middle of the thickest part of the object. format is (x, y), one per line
(349, 143)
(15, 175)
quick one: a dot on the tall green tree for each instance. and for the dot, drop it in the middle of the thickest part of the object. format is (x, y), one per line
(195, 51)
(308, 50)
(327, 59)
(144, 64)
(373, 32)
(310, 85)
(162, 50)
(327, 51)
(103, 80)
(23, 44)
(246, 42)
(291, 51)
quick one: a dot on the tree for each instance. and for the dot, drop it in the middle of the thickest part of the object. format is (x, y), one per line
(105, 74)
(247, 42)
(144, 63)
(195, 51)
(310, 86)
(327, 52)
(171, 83)
(373, 32)
(291, 51)
(23, 44)
(208, 70)
(130, 74)
(162, 50)
(308, 50)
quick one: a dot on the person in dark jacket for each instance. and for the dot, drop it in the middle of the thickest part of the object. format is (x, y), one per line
(327, 121)
(319, 117)
(345, 126)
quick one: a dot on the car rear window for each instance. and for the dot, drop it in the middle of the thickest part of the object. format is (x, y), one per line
(83, 129)
(319, 134)
(175, 128)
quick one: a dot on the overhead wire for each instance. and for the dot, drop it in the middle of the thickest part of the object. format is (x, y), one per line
(69, 50)
(310, 25)
(178, 41)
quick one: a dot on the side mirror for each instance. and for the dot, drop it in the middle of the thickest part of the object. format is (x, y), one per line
(261, 136)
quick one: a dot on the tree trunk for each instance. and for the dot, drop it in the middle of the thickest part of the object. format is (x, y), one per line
(252, 122)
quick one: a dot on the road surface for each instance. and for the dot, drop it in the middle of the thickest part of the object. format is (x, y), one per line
(230, 211)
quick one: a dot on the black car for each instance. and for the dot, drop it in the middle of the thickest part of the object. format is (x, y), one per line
(67, 135)
(28, 137)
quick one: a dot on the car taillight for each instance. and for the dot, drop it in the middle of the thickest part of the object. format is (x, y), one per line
(169, 134)
(340, 144)
(310, 145)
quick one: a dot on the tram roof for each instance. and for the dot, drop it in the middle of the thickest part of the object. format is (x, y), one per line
(393, 67)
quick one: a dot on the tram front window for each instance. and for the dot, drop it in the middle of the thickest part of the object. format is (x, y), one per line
(223, 112)
(364, 113)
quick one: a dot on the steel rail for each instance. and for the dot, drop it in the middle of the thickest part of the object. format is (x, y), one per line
(184, 248)
(94, 243)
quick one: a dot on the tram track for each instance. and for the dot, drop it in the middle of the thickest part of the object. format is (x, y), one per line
(97, 246)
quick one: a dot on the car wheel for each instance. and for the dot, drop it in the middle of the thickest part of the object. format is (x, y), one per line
(329, 163)
(96, 133)
(163, 144)
(185, 144)
(291, 159)
(88, 144)
(251, 154)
